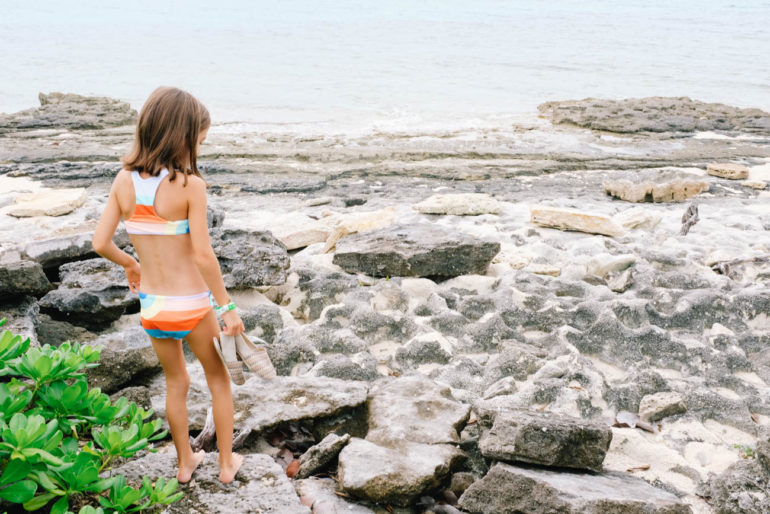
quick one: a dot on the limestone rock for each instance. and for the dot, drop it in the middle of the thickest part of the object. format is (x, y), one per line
(56, 202)
(743, 487)
(661, 405)
(394, 475)
(361, 222)
(571, 219)
(461, 204)
(319, 456)
(127, 359)
(55, 251)
(72, 111)
(417, 251)
(250, 258)
(728, 170)
(547, 439)
(754, 184)
(655, 186)
(543, 269)
(414, 408)
(261, 485)
(638, 218)
(321, 494)
(22, 278)
(603, 264)
(508, 489)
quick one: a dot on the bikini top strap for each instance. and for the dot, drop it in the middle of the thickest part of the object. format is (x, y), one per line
(146, 188)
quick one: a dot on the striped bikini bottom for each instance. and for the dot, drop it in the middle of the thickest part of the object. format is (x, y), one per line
(173, 317)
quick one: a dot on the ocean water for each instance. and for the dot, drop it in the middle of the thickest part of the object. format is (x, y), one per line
(344, 64)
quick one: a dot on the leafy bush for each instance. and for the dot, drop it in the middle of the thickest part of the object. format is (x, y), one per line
(57, 436)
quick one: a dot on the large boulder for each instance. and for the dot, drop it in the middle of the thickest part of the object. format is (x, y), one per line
(547, 439)
(394, 475)
(127, 359)
(60, 110)
(421, 250)
(508, 489)
(93, 293)
(261, 485)
(22, 278)
(250, 258)
(655, 186)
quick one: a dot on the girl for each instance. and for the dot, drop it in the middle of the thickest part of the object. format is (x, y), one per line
(162, 198)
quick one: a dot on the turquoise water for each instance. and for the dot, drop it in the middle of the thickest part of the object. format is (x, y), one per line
(385, 63)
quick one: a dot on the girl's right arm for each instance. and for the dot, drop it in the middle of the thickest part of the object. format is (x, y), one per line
(205, 259)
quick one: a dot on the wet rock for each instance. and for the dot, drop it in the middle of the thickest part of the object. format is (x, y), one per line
(250, 258)
(137, 394)
(56, 202)
(317, 457)
(22, 278)
(418, 250)
(321, 493)
(461, 204)
(655, 186)
(547, 439)
(71, 111)
(93, 293)
(261, 485)
(508, 489)
(414, 408)
(661, 405)
(743, 487)
(571, 219)
(394, 475)
(728, 170)
(655, 114)
(127, 359)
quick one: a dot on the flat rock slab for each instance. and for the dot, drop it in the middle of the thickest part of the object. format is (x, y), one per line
(415, 251)
(260, 404)
(261, 485)
(661, 405)
(320, 455)
(728, 170)
(55, 251)
(56, 202)
(22, 278)
(394, 475)
(547, 439)
(71, 111)
(250, 258)
(508, 489)
(359, 222)
(655, 186)
(459, 204)
(571, 219)
(414, 408)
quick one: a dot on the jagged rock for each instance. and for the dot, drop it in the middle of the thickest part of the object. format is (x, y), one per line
(571, 219)
(414, 408)
(22, 278)
(547, 439)
(728, 170)
(127, 359)
(137, 394)
(655, 114)
(661, 405)
(261, 485)
(262, 321)
(508, 489)
(655, 186)
(394, 475)
(461, 204)
(56, 202)
(55, 332)
(321, 494)
(21, 317)
(424, 349)
(307, 292)
(72, 111)
(55, 251)
(359, 222)
(743, 487)
(282, 184)
(461, 481)
(319, 456)
(93, 293)
(250, 258)
(342, 366)
(418, 251)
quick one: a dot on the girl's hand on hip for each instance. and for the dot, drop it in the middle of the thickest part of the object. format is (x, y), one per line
(233, 323)
(133, 275)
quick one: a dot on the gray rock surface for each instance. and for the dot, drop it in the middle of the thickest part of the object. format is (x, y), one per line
(127, 359)
(655, 114)
(22, 278)
(661, 405)
(60, 110)
(511, 490)
(547, 439)
(321, 494)
(250, 258)
(743, 487)
(416, 251)
(261, 485)
(321, 455)
(55, 251)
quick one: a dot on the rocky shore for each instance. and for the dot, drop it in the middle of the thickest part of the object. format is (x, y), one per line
(473, 321)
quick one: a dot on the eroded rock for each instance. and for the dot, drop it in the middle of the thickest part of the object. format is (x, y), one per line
(661, 405)
(321, 455)
(250, 258)
(22, 278)
(56, 202)
(655, 186)
(728, 170)
(72, 111)
(571, 219)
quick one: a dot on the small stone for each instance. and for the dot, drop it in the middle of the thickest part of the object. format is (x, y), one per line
(320, 455)
(543, 269)
(754, 184)
(661, 405)
(620, 282)
(603, 264)
(461, 204)
(56, 202)
(638, 218)
(728, 170)
(461, 481)
(571, 219)
(655, 186)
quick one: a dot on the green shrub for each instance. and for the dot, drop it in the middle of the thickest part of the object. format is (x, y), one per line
(57, 436)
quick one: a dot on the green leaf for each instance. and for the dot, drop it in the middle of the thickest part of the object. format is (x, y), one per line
(16, 469)
(19, 492)
(38, 502)
(61, 506)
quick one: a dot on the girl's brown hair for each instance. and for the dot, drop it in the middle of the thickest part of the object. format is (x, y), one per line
(167, 134)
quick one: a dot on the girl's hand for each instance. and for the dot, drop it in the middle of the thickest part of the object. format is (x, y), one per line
(233, 323)
(133, 275)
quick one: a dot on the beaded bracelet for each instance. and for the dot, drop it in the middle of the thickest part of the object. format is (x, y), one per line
(224, 308)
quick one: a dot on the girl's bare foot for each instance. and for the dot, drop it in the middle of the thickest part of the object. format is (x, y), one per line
(228, 471)
(185, 472)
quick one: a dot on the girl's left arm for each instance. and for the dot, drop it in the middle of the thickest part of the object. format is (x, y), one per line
(104, 245)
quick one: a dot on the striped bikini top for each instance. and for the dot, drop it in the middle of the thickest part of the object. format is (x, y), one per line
(145, 221)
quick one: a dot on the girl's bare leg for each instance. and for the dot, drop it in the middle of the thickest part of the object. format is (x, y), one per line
(201, 342)
(169, 352)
